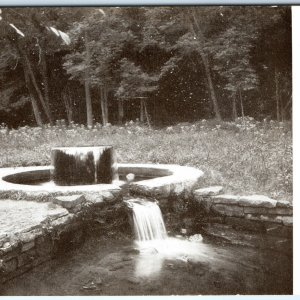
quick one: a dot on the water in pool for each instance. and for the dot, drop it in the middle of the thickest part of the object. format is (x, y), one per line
(109, 266)
(156, 264)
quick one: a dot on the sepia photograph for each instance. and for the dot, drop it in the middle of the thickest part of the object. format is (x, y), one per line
(146, 150)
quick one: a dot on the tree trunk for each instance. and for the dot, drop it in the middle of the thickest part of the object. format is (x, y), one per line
(211, 88)
(68, 104)
(106, 103)
(195, 27)
(37, 89)
(35, 107)
(142, 119)
(277, 96)
(34, 82)
(234, 112)
(120, 111)
(45, 78)
(104, 106)
(88, 99)
(43, 61)
(242, 105)
(146, 113)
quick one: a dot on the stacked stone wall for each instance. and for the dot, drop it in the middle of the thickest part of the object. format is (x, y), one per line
(75, 217)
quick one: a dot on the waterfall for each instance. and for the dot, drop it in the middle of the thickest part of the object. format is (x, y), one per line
(148, 220)
(153, 243)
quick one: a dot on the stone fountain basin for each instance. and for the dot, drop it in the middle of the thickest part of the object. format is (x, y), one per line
(38, 221)
(154, 180)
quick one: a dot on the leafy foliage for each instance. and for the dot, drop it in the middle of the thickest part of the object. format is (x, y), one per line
(135, 82)
(189, 58)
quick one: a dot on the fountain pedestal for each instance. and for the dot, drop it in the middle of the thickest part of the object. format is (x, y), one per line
(83, 165)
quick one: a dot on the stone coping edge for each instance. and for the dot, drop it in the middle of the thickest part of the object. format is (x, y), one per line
(171, 179)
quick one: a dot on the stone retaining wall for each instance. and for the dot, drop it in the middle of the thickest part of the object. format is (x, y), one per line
(253, 213)
(65, 225)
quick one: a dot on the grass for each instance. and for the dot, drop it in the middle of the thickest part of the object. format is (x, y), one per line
(246, 157)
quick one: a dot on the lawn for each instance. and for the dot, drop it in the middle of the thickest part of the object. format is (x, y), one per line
(246, 156)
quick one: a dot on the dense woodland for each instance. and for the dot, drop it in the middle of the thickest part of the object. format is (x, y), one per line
(161, 65)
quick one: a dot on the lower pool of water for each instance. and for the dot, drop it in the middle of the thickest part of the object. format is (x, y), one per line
(109, 266)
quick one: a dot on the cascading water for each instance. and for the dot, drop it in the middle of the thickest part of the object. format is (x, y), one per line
(153, 242)
(84, 165)
(148, 220)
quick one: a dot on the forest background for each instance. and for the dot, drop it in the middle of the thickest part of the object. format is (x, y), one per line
(161, 65)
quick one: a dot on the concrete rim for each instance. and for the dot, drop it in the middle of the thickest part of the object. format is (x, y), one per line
(166, 175)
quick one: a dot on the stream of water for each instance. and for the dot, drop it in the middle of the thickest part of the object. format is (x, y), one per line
(156, 264)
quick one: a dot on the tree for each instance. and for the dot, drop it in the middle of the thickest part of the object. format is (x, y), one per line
(232, 60)
(188, 28)
(20, 29)
(136, 84)
(105, 35)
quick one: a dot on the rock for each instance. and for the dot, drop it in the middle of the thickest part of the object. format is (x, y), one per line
(163, 191)
(182, 258)
(263, 218)
(172, 267)
(257, 200)
(99, 282)
(116, 267)
(245, 224)
(205, 203)
(279, 230)
(108, 196)
(9, 265)
(130, 177)
(56, 213)
(94, 198)
(62, 221)
(3, 239)
(178, 188)
(228, 210)
(130, 250)
(6, 245)
(196, 238)
(286, 220)
(26, 257)
(26, 237)
(126, 258)
(69, 201)
(183, 230)
(10, 249)
(209, 191)
(149, 250)
(133, 280)
(90, 286)
(28, 246)
(225, 199)
(44, 245)
(227, 234)
(282, 203)
(266, 211)
(213, 219)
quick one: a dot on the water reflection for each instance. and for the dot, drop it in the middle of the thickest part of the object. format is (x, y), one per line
(153, 254)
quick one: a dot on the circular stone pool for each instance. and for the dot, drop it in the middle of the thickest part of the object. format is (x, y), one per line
(151, 180)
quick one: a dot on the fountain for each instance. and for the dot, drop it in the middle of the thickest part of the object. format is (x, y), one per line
(84, 190)
(84, 165)
(95, 170)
